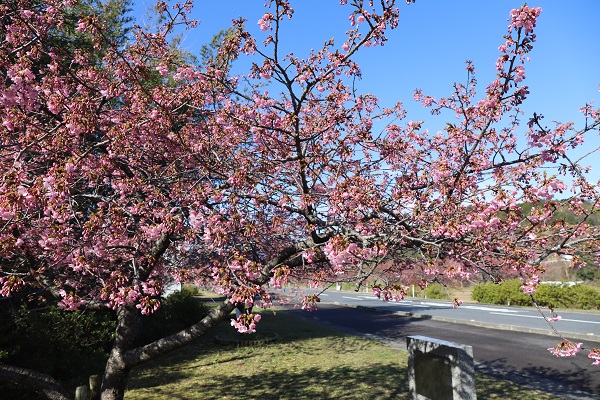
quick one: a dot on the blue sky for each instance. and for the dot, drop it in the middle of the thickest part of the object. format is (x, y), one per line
(429, 48)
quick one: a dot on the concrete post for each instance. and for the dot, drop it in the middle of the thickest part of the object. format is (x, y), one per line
(82, 392)
(440, 370)
(95, 383)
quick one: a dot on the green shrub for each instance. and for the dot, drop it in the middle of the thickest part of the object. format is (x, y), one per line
(512, 294)
(481, 292)
(555, 296)
(489, 293)
(586, 297)
(436, 291)
(71, 346)
(547, 295)
(506, 293)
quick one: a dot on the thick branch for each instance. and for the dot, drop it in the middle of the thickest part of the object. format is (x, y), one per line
(182, 338)
(37, 381)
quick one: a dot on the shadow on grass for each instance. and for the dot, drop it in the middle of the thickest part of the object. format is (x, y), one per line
(333, 383)
(307, 361)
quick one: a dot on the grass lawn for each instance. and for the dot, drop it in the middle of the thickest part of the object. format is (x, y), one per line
(307, 361)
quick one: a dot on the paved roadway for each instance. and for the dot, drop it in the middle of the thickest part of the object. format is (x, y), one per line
(510, 352)
(581, 326)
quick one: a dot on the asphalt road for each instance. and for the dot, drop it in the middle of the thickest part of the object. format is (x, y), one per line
(581, 326)
(518, 356)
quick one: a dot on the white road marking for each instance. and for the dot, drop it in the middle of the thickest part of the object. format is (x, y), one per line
(563, 319)
(436, 304)
(369, 298)
(498, 310)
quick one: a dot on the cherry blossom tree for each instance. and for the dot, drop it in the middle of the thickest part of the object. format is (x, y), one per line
(122, 175)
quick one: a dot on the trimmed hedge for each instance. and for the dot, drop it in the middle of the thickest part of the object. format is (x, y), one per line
(547, 295)
(436, 291)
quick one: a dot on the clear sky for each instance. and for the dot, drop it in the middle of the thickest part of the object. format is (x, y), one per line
(429, 48)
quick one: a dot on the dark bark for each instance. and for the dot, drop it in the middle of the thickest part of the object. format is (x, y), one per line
(117, 370)
(115, 377)
(37, 381)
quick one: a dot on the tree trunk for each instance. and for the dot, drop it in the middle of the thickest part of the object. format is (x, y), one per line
(124, 356)
(115, 378)
(117, 369)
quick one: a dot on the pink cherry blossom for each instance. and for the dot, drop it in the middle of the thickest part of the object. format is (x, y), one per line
(281, 176)
(162, 69)
(594, 354)
(565, 349)
(81, 25)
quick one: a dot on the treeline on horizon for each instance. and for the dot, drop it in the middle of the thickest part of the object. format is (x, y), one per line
(563, 213)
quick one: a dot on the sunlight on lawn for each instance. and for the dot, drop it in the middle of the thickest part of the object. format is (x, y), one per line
(308, 361)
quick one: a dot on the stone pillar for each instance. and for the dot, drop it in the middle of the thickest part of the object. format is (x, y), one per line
(82, 393)
(95, 383)
(440, 370)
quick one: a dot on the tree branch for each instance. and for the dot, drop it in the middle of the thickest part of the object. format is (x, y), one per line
(41, 383)
(177, 340)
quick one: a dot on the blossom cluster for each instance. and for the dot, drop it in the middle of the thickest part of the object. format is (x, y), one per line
(594, 354)
(565, 349)
(392, 292)
(524, 17)
(246, 323)
(309, 302)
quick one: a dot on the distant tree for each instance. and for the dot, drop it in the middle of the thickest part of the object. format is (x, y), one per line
(588, 273)
(213, 53)
(116, 21)
(122, 175)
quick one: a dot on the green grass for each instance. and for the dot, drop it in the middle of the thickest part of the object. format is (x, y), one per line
(308, 361)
